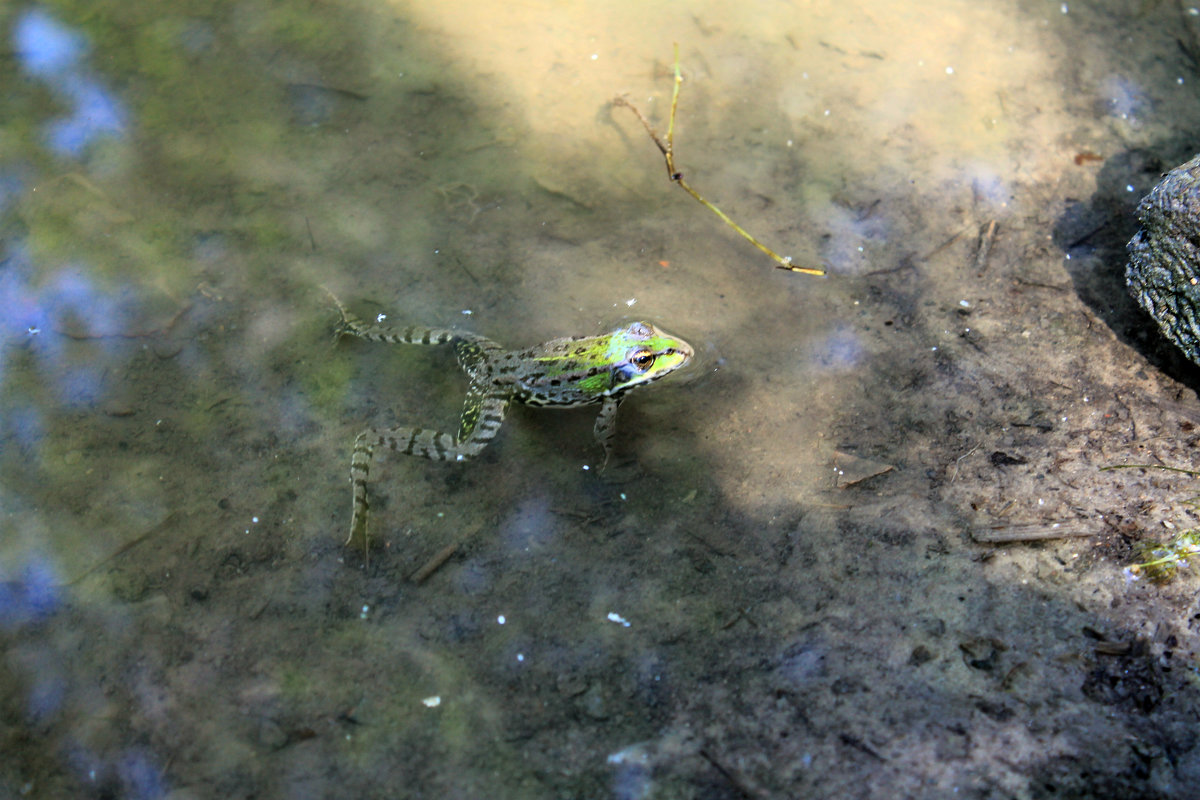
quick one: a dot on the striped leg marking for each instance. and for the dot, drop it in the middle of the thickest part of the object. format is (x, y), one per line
(483, 412)
(481, 417)
(353, 325)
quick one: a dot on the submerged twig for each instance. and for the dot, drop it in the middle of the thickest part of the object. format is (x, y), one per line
(986, 236)
(84, 336)
(439, 558)
(1038, 531)
(736, 779)
(667, 147)
(1191, 472)
(958, 461)
(432, 565)
(170, 520)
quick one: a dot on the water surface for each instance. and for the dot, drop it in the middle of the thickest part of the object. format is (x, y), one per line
(778, 592)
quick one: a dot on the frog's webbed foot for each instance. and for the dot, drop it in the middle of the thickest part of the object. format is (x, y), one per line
(623, 471)
(346, 321)
(360, 468)
(411, 441)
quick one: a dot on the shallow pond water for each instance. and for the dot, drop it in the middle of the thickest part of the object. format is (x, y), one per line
(863, 547)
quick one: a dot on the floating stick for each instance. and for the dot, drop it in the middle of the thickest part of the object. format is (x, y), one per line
(667, 147)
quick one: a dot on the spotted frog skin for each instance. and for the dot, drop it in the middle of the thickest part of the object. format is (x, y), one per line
(560, 373)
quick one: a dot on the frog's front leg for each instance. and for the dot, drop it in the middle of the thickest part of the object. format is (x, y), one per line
(482, 414)
(606, 425)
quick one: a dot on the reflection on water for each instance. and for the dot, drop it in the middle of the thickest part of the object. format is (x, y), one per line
(53, 54)
(57, 55)
(29, 595)
(178, 616)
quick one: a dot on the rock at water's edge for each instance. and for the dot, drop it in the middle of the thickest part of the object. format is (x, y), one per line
(1164, 257)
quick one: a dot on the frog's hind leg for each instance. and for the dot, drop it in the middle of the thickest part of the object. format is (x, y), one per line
(474, 354)
(482, 414)
(353, 325)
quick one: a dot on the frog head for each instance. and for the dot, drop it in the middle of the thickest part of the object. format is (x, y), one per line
(638, 353)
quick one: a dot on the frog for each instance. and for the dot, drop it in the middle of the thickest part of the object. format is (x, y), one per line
(567, 372)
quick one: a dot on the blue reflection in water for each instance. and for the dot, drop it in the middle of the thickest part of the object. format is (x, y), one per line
(141, 775)
(38, 303)
(46, 695)
(11, 189)
(22, 425)
(133, 773)
(71, 293)
(54, 53)
(46, 47)
(632, 781)
(37, 314)
(987, 184)
(529, 525)
(840, 350)
(95, 112)
(29, 596)
(857, 234)
(18, 308)
(1126, 99)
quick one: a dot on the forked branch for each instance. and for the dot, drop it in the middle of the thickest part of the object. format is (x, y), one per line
(667, 147)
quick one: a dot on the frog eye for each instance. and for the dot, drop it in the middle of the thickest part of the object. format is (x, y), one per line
(643, 359)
